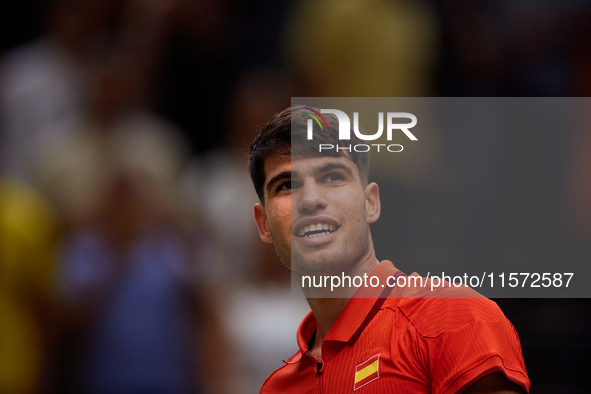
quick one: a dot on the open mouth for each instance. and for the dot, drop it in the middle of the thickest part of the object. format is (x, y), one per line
(316, 230)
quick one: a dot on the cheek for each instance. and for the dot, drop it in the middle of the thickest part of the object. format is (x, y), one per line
(353, 208)
(281, 222)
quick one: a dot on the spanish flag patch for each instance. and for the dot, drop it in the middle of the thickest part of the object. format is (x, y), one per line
(367, 371)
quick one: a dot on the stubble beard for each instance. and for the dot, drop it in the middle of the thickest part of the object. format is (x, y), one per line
(283, 252)
(329, 263)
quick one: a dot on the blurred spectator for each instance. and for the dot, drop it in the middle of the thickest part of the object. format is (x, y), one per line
(131, 302)
(42, 81)
(28, 236)
(362, 48)
(133, 307)
(114, 133)
(262, 315)
(258, 311)
(217, 184)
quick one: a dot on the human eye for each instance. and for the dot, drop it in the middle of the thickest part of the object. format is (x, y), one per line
(333, 177)
(284, 186)
(287, 186)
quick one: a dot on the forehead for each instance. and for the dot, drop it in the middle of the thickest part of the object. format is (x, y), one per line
(275, 165)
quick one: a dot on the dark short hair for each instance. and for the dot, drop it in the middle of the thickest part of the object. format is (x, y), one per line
(275, 139)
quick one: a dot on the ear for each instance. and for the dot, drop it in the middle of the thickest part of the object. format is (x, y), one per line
(373, 207)
(260, 216)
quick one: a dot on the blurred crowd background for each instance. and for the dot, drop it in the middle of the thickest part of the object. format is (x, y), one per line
(129, 260)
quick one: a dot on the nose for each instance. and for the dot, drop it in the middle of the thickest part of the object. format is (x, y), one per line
(310, 198)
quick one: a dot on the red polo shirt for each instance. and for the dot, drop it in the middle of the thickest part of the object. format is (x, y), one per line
(404, 345)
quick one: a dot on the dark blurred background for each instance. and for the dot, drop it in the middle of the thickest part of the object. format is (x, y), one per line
(129, 261)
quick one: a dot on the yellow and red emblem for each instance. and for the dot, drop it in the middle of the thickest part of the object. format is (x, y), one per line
(367, 371)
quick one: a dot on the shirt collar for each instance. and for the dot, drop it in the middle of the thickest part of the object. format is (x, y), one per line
(357, 313)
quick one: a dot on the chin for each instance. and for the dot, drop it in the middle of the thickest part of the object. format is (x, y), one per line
(317, 265)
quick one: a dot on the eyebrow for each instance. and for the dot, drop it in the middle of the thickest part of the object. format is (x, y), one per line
(293, 174)
(277, 178)
(335, 166)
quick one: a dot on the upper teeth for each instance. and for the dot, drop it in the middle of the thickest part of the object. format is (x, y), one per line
(318, 229)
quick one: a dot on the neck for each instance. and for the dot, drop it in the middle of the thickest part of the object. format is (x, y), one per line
(326, 310)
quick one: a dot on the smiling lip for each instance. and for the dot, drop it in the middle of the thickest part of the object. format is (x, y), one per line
(315, 230)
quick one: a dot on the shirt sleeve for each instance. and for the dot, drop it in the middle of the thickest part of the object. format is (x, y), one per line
(461, 357)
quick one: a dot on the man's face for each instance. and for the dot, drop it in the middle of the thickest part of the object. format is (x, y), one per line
(317, 213)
